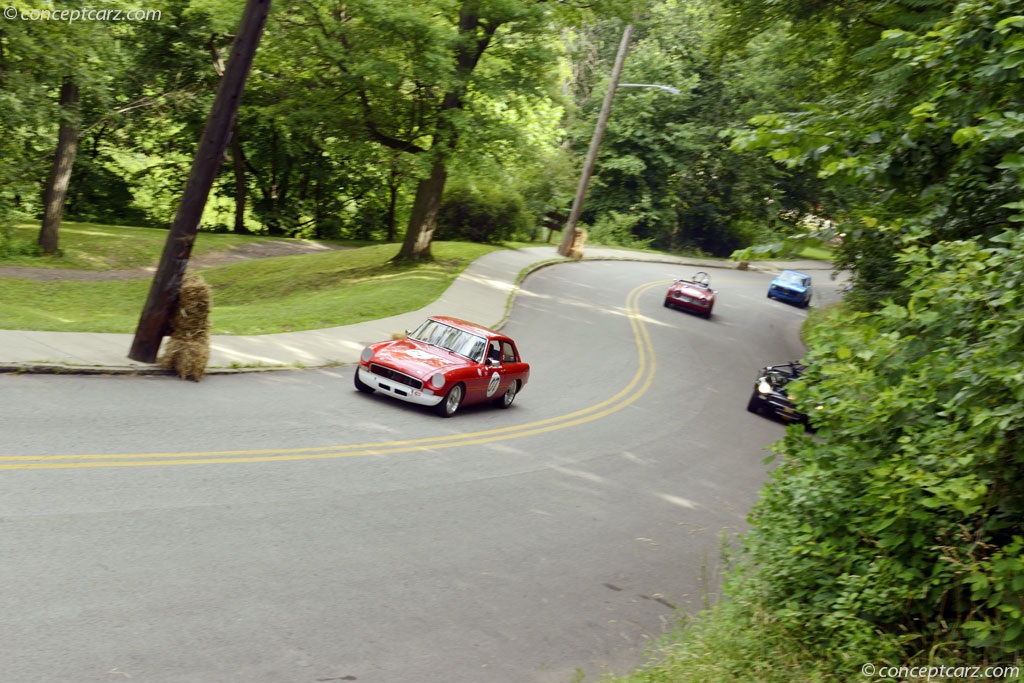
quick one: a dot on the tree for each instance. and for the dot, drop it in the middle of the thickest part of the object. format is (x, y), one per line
(63, 161)
(30, 73)
(417, 79)
(923, 142)
(665, 162)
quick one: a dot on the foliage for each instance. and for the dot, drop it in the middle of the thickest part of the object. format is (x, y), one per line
(348, 102)
(924, 143)
(902, 521)
(664, 159)
(479, 212)
(616, 229)
(12, 247)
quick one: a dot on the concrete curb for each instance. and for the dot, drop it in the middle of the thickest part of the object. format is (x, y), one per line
(348, 340)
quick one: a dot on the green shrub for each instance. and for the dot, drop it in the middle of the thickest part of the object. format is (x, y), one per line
(483, 213)
(616, 229)
(896, 531)
(11, 247)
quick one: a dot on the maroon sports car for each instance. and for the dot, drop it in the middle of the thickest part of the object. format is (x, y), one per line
(445, 363)
(694, 295)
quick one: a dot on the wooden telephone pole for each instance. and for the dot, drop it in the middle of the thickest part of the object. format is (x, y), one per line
(163, 294)
(595, 144)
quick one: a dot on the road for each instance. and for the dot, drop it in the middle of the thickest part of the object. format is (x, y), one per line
(282, 528)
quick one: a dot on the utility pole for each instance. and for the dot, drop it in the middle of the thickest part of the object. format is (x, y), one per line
(595, 143)
(163, 294)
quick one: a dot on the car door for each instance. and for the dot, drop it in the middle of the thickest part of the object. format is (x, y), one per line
(512, 366)
(484, 381)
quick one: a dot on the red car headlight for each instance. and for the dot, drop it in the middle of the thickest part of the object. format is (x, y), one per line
(437, 380)
(366, 355)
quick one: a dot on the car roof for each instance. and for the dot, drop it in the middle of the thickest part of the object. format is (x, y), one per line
(467, 326)
(794, 272)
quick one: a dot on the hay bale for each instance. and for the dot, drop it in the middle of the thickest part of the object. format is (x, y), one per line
(187, 358)
(188, 349)
(579, 238)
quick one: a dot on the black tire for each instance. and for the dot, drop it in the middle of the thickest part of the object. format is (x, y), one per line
(754, 404)
(668, 304)
(449, 405)
(509, 396)
(361, 385)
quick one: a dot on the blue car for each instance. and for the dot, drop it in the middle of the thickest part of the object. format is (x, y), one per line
(792, 287)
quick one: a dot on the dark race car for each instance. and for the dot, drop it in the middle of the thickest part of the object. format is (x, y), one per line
(770, 395)
(694, 295)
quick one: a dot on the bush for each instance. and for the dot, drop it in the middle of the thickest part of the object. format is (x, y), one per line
(896, 532)
(11, 247)
(484, 213)
(616, 229)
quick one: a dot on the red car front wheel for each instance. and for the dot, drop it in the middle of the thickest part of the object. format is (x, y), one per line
(451, 402)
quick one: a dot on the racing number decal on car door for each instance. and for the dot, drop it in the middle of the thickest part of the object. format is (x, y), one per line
(492, 386)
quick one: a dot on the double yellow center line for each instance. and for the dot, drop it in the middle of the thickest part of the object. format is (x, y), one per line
(636, 388)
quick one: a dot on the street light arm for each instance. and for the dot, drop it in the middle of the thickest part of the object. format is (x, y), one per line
(666, 88)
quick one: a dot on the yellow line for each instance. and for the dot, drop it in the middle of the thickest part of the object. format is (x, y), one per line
(636, 388)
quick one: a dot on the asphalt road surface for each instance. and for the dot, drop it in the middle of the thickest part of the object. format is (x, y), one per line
(283, 528)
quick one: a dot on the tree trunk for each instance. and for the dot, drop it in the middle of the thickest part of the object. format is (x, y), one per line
(474, 37)
(60, 174)
(423, 220)
(238, 162)
(394, 184)
(391, 219)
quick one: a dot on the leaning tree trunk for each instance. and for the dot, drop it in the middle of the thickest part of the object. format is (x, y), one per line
(423, 220)
(60, 174)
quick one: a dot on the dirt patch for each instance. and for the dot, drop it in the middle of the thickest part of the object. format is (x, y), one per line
(245, 252)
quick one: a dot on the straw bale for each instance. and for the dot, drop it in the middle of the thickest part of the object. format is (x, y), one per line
(188, 358)
(188, 349)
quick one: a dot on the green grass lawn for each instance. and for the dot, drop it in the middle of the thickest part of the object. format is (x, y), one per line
(90, 246)
(259, 296)
(818, 253)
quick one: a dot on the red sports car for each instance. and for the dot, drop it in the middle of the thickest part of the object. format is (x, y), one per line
(445, 363)
(694, 295)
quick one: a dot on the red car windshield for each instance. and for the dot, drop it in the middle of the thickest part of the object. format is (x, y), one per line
(452, 339)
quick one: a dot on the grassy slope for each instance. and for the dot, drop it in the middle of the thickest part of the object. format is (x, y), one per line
(90, 246)
(255, 297)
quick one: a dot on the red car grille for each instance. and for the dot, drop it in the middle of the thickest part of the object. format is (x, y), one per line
(395, 376)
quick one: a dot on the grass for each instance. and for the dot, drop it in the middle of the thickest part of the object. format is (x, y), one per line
(730, 643)
(260, 296)
(91, 246)
(335, 288)
(817, 253)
